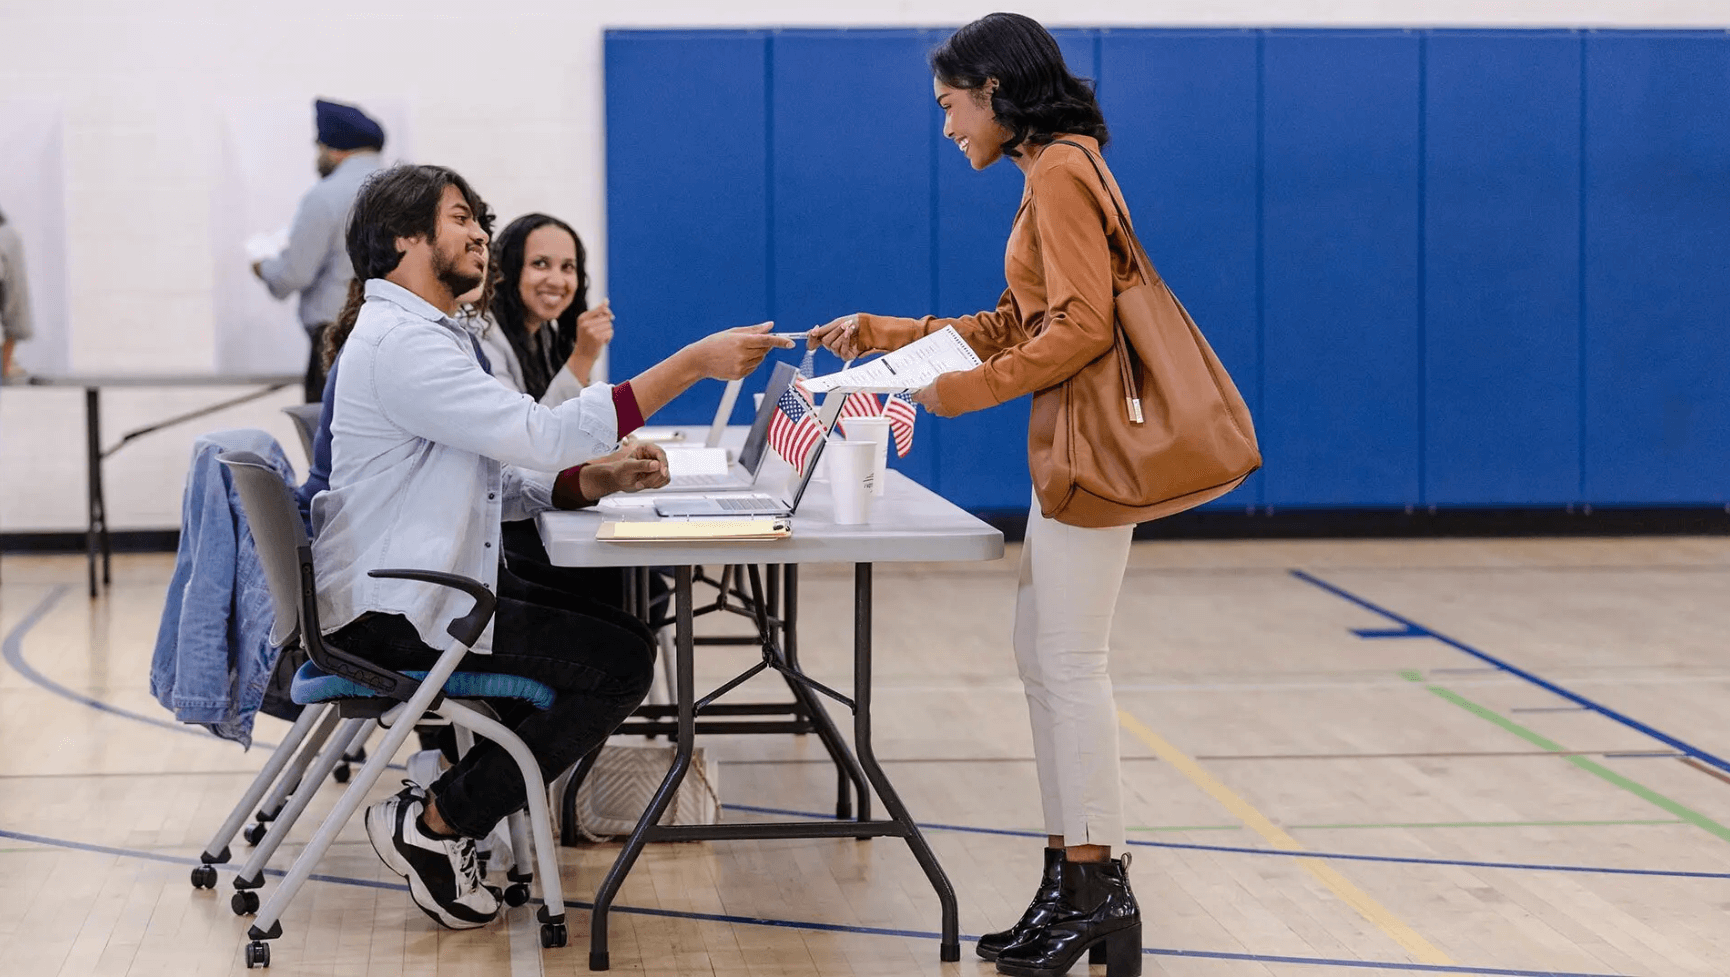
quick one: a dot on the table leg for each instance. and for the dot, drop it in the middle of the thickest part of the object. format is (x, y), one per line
(809, 708)
(682, 751)
(98, 524)
(949, 950)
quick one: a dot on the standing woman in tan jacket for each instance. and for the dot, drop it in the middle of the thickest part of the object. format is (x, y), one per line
(1005, 92)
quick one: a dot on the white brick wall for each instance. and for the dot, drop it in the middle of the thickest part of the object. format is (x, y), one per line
(508, 93)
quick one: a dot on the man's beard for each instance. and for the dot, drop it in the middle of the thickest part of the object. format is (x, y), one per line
(326, 166)
(445, 268)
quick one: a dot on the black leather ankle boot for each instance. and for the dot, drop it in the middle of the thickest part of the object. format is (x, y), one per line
(1096, 911)
(1044, 906)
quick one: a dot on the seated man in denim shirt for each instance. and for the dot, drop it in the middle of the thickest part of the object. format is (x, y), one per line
(428, 454)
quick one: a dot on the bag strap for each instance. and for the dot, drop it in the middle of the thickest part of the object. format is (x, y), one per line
(1144, 265)
(1126, 364)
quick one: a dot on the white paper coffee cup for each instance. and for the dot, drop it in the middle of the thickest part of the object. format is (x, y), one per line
(850, 482)
(874, 430)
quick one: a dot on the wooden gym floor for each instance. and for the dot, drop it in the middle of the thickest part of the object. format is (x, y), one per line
(1342, 758)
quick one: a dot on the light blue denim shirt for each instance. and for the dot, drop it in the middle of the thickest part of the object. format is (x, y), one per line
(315, 264)
(429, 453)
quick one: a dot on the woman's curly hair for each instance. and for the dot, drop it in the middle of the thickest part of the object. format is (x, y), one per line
(1036, 97)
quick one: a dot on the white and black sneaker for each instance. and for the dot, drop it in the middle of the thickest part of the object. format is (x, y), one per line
(443, 875)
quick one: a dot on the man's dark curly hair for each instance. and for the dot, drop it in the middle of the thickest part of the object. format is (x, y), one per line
(397, 202)
(1036, 98)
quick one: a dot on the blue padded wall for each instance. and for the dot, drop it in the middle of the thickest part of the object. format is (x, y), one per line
(687, 197)
(852, 185)
(1501, 268)
(1452, 268)
(1339, 417)
(1657, 244)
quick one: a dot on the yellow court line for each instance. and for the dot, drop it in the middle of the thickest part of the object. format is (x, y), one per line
(1421, 949)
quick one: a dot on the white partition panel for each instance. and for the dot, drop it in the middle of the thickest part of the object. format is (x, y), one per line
(33, 198)
(265, 163)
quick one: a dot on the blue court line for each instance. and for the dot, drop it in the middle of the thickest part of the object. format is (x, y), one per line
(813, 926)
(12, 650)
(1415, 629)
(1272, 852)
(74, 845)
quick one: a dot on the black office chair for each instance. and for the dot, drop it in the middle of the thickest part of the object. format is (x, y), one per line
(364, 693)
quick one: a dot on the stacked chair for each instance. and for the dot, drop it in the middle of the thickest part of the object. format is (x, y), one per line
(347, 698)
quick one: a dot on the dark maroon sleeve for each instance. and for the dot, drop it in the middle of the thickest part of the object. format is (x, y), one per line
(625, 406)
(568, 490)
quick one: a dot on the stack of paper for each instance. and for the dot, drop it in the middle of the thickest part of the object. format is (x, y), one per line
(685, 462)
(758, 529)
(908, 369)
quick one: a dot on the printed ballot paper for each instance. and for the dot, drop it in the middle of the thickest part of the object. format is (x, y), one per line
(908, 369)
(265, 245)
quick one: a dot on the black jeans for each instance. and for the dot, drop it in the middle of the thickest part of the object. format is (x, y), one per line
(598, 660)
(527, 556)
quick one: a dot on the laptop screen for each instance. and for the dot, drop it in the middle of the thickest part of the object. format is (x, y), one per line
(751, 454)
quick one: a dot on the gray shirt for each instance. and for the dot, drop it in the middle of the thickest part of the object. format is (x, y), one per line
(315, 264)
(14, 289)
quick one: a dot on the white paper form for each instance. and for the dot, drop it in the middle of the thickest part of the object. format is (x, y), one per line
(908, 369)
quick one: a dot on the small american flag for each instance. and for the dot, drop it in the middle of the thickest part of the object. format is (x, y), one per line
(859, 404)
(794, 431)
(902, 414)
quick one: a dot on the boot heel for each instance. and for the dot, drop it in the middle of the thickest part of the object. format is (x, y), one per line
(1096, 955)
(1123, 952)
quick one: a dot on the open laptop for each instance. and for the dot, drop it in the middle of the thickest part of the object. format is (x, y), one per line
(756, 504)
(740, 475)
(675, 436)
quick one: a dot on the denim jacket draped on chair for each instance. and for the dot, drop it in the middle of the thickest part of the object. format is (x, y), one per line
(213, 655)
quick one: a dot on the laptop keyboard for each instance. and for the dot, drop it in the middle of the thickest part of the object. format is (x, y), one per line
(758, 502)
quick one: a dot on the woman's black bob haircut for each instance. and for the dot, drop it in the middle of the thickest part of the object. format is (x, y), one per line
(1036, 97)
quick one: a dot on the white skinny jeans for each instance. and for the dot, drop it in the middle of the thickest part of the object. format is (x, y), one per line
(1070, 578)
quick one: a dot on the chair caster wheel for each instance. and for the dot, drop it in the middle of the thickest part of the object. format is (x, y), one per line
(204, 876)
(518, 894)
(341, 773)
(552, 935)
(255, 833)
(244, 903)
(257, 955)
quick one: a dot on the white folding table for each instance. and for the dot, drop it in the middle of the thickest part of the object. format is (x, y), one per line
(908, 524)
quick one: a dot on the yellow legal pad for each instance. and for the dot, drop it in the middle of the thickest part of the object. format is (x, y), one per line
(759, 529)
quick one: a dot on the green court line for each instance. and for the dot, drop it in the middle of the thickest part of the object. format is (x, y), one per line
(1482, 823)
(1614, 778)
(1432, 826)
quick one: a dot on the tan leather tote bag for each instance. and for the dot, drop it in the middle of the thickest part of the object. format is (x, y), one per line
(1152, 427)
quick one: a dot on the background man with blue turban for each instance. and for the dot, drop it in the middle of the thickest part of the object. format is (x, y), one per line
(315, 264)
